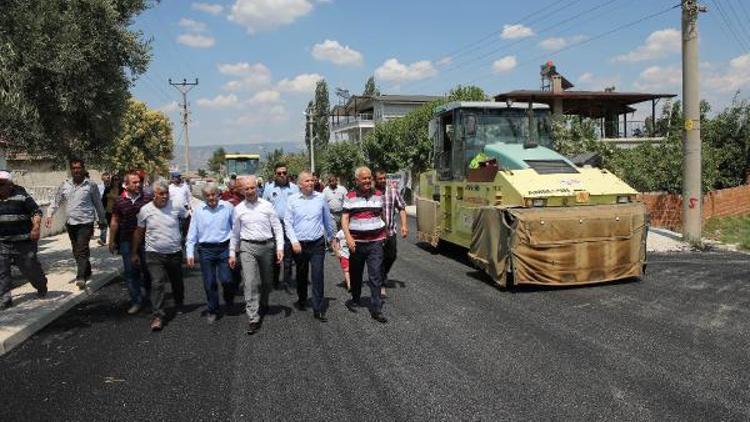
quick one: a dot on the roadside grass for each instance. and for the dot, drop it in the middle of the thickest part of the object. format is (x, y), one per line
(734, 230)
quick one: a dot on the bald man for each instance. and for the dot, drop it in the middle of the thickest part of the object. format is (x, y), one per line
(257, 238)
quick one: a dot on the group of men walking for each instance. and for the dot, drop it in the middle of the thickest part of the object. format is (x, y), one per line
(236, 236)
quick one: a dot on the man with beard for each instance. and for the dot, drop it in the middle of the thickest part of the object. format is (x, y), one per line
(122, 226)
(83, 205)
(277, 193)
(393, 203)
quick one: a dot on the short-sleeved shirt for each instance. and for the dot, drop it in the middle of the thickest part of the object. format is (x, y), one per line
(335, 198)
(162, 226)
(17, 211)
(126, 209)
(392, 203)
(365, 211)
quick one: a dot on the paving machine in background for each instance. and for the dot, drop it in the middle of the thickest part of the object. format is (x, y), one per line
(526, 213)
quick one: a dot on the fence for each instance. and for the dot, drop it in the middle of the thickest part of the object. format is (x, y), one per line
(666, 209)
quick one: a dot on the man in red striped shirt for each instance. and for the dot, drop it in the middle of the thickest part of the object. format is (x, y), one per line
(364, 229)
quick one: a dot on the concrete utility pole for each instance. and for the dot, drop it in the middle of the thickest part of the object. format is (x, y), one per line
(309, 116)
(184, 87)
(692, 192)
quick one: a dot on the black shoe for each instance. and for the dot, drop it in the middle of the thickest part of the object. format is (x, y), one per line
(300, 305)
(351, 306)
(6, 304)
(320, 316)
(253, 328)
(379, 317)
(41, 293)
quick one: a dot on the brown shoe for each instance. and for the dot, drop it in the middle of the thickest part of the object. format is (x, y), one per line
(156, 324)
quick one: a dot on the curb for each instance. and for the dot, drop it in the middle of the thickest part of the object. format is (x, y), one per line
(41, 319)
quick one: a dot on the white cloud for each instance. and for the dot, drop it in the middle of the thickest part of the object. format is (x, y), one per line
(269, 96)
(196, 40)
(192, 25)
(505, 64)
(220, 101)
(262, 116)
(169, 107)
(511, 32)
(732, 78)
(211, 8)
(261, 15)
(556, 43)
(659, 44)
(445, 61)
(589, 81)
(659, 78)
(332, 51)
(304, 83)
(254, 76)
(393, 71)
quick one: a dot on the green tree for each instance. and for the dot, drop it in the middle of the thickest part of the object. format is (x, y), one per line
(467, 93)
(202, 172)
(321, 113)
(65, 70)
(341, 159)
(272, 157)
(144, 142)
(216, 160)
(370, 88)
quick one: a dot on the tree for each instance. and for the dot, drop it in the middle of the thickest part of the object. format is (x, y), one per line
(321, 114)
(370, 88)
(144, 142)
(467, 93)
(202, 173)
(272, 157)
(341, 159)
(65, 70)
(217, 160)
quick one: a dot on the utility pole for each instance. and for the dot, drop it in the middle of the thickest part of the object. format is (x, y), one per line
(309, 116)
(692, 192)
(184, 87)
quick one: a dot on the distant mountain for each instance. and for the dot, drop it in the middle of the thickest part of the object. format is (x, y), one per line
(199, 155)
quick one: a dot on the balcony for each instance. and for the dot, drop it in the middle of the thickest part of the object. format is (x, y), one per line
(358, 121)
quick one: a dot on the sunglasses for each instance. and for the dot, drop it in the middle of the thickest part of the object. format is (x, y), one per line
(281, 173)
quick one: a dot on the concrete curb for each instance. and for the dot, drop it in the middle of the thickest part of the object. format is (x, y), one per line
(48, 310)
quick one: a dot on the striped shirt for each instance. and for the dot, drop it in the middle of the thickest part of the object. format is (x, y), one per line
(16, 212)
(393, 202)
(365, 211)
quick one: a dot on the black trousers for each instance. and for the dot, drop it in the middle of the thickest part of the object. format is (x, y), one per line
(165, 268)
(287, 262)
(312, 256)
(390, 250)
(371, 255)
(80, 235)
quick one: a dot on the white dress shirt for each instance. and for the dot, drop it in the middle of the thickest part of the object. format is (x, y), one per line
(180, 195)
(256, 221)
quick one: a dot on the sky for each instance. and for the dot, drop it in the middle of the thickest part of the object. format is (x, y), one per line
(257, 61)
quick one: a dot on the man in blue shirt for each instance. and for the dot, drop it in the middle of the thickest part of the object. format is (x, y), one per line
(308, 222)
(210, 229)
(277, 193)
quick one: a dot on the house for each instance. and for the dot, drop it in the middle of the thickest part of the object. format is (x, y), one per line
(353, 120)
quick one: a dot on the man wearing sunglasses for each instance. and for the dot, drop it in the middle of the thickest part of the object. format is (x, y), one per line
(278, 193)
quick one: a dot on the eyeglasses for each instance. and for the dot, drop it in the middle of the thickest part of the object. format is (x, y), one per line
(281, 173)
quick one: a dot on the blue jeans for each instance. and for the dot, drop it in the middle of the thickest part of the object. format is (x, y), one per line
(138, 279)
(214, 262)
(312, 257)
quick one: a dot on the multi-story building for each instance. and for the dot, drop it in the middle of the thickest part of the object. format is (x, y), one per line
(353, 120)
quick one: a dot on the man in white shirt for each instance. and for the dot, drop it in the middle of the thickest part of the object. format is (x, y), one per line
(179, 191)
(159, 225)
(334, 195)
(256, 234)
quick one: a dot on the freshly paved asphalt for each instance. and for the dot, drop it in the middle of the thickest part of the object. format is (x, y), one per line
(672, 347)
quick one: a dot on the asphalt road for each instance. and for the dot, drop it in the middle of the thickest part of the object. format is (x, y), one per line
(672, 347)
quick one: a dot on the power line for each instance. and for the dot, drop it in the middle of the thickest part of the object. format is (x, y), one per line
(517, 42)
(184, 87)
(742, 30)
(592, 39)
(730, 27)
